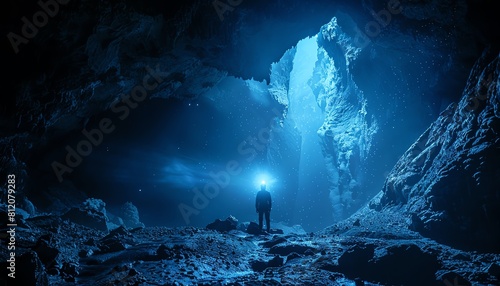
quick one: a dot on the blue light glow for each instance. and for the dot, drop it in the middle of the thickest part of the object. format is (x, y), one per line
(264, 179)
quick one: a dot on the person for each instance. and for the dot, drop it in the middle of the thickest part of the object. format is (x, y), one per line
(263, 206)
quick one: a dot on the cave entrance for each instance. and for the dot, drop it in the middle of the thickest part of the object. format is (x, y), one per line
(313, 208)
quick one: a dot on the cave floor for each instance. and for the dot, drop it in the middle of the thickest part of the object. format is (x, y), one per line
(375, 250)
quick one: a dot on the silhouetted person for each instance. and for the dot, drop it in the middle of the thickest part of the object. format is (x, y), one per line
(263, 206)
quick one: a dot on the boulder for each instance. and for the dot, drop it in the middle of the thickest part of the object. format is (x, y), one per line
(224, 225)
(408, 263)
(130, 216)
(274, 241)
(452, 278)
(289, 248)
(95, 220)
(46, 250)
(118, 239)
(259, 265)
(254, 228)
(292, 256)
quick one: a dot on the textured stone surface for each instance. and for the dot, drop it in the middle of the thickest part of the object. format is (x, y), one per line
(448, 180)
(380, 251)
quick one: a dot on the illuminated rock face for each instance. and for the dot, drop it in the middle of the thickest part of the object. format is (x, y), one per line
(370, 110)
(347, 131)
(448, 180)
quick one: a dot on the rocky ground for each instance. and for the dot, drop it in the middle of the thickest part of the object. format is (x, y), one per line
(370, 248)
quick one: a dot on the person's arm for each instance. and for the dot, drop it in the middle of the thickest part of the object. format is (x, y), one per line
(270, 202)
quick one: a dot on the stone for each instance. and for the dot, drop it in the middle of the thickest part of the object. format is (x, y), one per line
(129, 216)
(452, 278)
(254, 228)
(46, 252)
(494, 269)
(286, 249)
(274, 241)
(277, 261)
(87, 218)
(292, 256)
(226, 225)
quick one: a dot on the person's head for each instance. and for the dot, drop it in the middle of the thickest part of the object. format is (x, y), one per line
(263, 187)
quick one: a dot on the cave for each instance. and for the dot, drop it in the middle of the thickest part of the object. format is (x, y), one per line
(136, 138)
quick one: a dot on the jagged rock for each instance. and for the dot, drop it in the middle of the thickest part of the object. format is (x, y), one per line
(118, 239)
(46, 250)
(27, 207)
(409, 264)
(447, 180)
(292, 256)
(286, 249)
(114, 221)
(94, 205)
(343, 103)
(90, 242)
(163, 252)
(69, 271)
(111, 245)
(259, 266)
(275, 240)
(132, 272)
(243, 226)
(226, 225)
(130, 216)
(87, 218)
(117, 233)
(85, 253)
(277, 261)
(353, 258)
(254, 228)
(451, 278)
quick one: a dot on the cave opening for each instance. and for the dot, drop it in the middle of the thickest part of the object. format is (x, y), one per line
(313, 209)
(170, 156)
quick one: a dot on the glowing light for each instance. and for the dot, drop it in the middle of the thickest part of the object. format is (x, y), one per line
(264, 179)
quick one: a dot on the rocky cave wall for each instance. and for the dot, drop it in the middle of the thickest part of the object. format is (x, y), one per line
(448, 180)
(348, 130)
